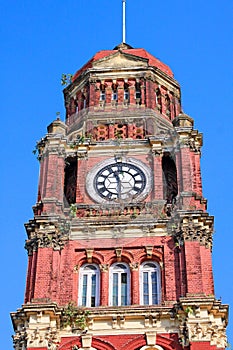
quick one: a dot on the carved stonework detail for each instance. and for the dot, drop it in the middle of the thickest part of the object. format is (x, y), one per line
(20, 340)
(192, 140)
(36, 326)
(104, 267)
(134, 266)
(45, 236)
(196, 233)
(76, 268)
(86, 341)
(215, 334)
(183, 333)
(151, 338)
(39, 338)
(202, 320)
(200, 229)
(118, 253)
(118, 322)
(149, 251)
(89, 253)
(31, 245)
(82, 154)
(55, 240)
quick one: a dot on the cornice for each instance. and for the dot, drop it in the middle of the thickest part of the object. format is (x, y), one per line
(192, 318)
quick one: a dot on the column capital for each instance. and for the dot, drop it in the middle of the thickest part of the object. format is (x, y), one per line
(134, 266)
(104, 267)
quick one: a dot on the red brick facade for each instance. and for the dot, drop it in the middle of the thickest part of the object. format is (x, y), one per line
(120, 231)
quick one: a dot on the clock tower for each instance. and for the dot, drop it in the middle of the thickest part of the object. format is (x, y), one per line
(119, 248)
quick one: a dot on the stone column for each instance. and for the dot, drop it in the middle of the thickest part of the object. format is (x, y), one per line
(120, 91)
(104, 284)
(157, 169)
(108, 91)
(132, 99)
(142, 87)
(134, 267)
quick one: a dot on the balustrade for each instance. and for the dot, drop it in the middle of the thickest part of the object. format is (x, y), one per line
(131, 211)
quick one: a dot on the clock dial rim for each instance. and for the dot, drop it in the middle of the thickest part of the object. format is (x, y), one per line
(112, 186)
(90, 179)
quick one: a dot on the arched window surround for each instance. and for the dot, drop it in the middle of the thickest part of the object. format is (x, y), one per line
(89, 285)
(150, 283)
(119, 284)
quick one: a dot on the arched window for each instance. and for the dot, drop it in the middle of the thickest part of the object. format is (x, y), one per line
(70, 182)
(158, 100)
(89, 285)
(119, 286)
(114, 92)
(150, 283)
(102, 93)
(168, 105)
(137, 91)
(170, 176)
(84, 102)
(126, 92)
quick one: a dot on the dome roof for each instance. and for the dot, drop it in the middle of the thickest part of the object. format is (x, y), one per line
(125, 48)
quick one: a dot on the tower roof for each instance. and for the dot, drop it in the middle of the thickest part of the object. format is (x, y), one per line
(125, 48)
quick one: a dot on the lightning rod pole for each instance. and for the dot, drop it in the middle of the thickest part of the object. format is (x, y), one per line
(123, 22)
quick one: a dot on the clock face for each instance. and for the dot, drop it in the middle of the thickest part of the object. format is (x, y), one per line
(119, 181)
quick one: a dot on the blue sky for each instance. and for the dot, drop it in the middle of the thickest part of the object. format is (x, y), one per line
(40, 40)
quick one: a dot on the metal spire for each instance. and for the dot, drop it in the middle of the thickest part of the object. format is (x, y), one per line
(123, 21)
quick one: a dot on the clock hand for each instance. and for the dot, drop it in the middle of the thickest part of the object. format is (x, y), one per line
(118, 180)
